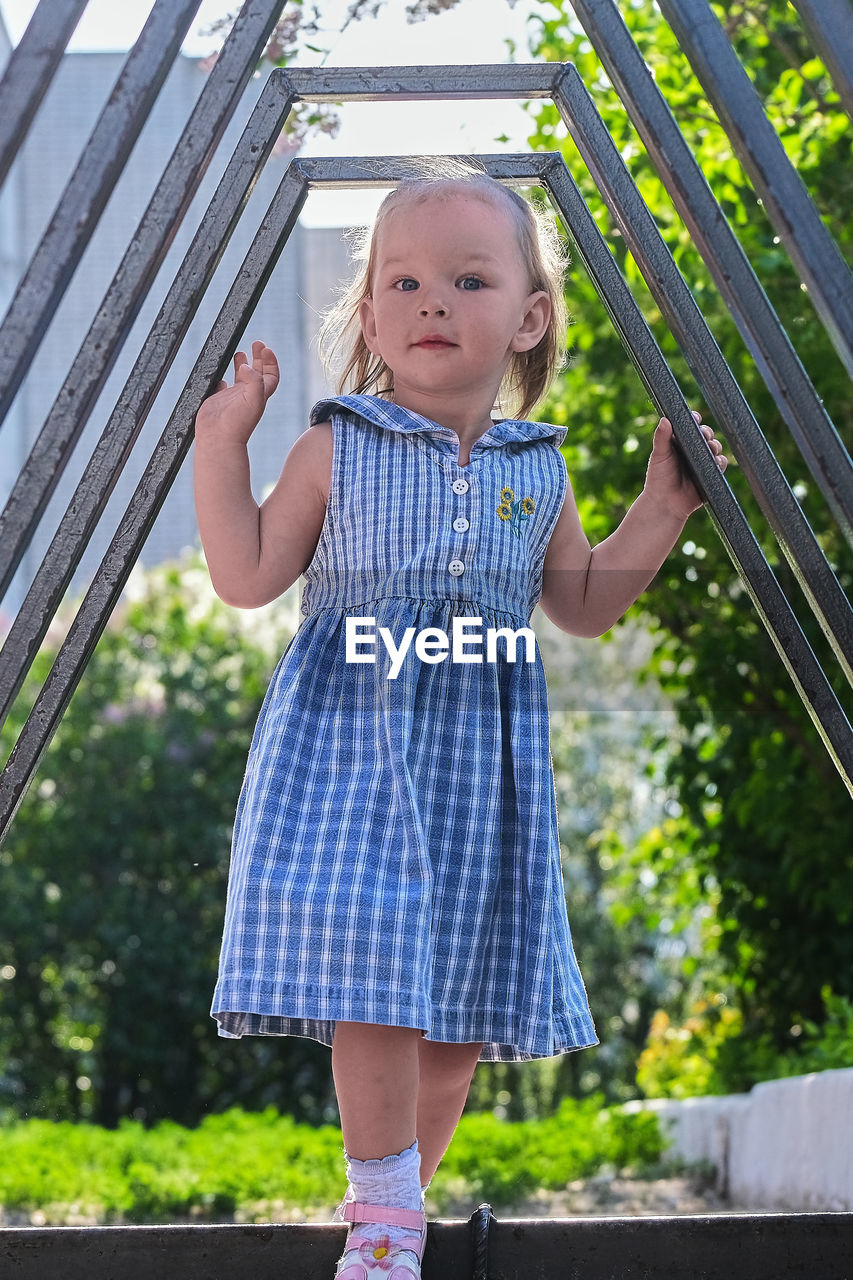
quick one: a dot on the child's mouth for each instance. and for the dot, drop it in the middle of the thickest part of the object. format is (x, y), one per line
(434, 343)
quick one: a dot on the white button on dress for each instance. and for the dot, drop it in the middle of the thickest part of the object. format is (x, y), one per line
(456, 567)
(460, 524)
(460, 486)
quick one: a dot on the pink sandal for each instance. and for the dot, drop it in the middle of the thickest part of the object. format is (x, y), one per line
(364, 1258)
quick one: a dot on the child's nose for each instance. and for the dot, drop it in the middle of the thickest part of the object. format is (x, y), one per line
(432, 307)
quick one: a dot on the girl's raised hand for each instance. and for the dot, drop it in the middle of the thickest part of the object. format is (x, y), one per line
(664, 481)
(234, 411)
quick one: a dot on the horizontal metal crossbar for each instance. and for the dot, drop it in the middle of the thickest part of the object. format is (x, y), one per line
(769, 1246)
(788, 204)
(796, 398)
(415, 84)
(365, 172)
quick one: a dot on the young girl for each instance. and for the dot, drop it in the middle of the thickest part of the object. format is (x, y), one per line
(395, 888)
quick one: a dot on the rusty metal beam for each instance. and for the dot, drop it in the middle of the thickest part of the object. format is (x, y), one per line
(829, 24)
(30, 70)
(716, 381)
(84, 199)
(121, 304)
(796, 398)
(548, 170)
(760, 1246)
(787, 202)
(150, 493)
(140, 391)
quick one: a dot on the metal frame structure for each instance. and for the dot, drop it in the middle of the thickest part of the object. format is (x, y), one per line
(59, 253)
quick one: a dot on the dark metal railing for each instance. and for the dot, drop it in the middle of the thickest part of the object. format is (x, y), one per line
(801, 407)
(30, 69)
(796, 399)
(829, 24)
(788, 204)
(157, 228)
(84, 199)
(769, 1246)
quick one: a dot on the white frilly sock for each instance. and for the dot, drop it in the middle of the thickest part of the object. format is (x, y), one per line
(394, 1181)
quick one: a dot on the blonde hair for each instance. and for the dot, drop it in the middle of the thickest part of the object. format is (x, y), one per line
(348, 360)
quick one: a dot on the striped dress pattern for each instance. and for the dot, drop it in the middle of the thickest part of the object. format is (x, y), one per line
(395, 855)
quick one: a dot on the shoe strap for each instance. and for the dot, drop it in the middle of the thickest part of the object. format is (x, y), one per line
(413, 1243)
(355, 1211)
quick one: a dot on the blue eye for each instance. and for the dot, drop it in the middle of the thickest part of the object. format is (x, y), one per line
(404, 282)
(471, 283)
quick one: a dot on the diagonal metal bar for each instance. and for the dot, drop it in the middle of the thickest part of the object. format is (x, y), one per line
(793, 532)
(146, 378)
(789, 384)
(729, 520)
(543, 169)
(150, 494)
(414, 84)
(30, 70)
(786, 200)
(121, 304)
(829, 24)
(79, 209)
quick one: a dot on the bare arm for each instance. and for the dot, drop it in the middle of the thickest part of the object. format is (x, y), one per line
(254, 553)
(585, 590)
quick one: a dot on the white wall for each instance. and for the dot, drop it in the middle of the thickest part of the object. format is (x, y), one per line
(785, 1145)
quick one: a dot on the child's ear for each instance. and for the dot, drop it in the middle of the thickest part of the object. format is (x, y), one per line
(534, 323)
(368, 324)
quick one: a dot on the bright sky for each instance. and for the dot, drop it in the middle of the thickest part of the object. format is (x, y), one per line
(475, 31)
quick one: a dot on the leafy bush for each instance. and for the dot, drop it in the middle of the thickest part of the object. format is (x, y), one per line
(113, 875)
(251, 1166)
(714, 1052)
(679, 1061)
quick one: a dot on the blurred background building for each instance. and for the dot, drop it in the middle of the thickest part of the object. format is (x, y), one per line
(287, 317)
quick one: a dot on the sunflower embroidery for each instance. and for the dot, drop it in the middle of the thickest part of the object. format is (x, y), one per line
(515, 511)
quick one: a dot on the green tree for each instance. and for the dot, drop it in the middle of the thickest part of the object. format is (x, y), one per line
(757, 839)
(112, 877)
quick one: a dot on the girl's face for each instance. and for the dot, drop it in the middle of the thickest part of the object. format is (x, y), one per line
(451, 302)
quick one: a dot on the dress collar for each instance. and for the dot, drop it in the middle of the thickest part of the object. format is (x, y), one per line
(383, 413)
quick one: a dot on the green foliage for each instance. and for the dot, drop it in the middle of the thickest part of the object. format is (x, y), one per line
(600, 724)
(752, 868)
(502, 1162)
(112, 876)
(710, 1054)
(680, 1061)
(253, 1166)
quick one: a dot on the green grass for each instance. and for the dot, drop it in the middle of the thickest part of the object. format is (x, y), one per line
(253, 1166)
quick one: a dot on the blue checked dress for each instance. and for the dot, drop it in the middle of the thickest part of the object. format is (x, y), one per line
(395, 854)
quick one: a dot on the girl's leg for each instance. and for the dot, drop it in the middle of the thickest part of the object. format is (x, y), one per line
(445, 1078)
(375, 1069)
(393, 1086)
(376, 1072)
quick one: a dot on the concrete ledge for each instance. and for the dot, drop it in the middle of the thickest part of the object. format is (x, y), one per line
(787, 1144)
(724, 1247)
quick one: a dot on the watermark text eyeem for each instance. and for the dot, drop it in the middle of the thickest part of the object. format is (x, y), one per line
(432, 644)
